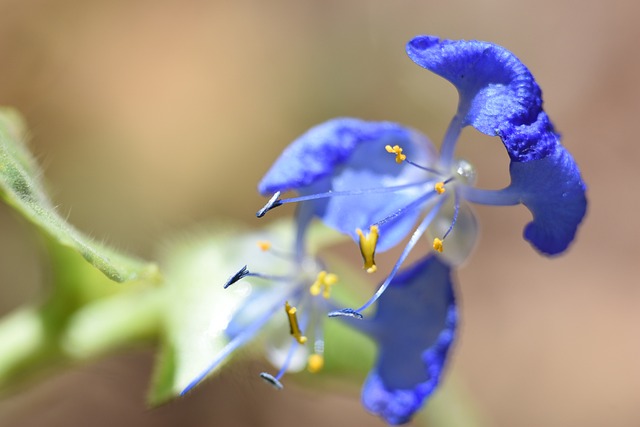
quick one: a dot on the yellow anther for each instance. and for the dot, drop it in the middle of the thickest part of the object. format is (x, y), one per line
(323, 284)
(437, 245)
(368, 247)
(315, 363)
(397, 150)
(439, 187)
(294, 328)
(264, 245)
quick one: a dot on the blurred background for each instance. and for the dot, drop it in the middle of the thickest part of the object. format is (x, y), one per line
(150, 116)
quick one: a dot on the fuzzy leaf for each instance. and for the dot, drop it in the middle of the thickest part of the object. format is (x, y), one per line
(21, 187)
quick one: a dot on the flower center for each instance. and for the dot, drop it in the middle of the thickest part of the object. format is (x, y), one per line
(464, 172)
(307, 287)
(435, 187)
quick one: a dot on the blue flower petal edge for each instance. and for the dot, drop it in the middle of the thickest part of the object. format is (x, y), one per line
(414, 327)
(320, 151)
(551, 188)
(499, 97)
(348, 155)
(495, 88)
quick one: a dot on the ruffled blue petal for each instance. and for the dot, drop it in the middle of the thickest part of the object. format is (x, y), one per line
(553, 191)
(497, 91)
(499, 96)
(414, 327)
(348, 154)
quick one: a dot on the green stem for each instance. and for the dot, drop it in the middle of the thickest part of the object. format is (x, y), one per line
(114, 323)
(30, 345)
(25, 345)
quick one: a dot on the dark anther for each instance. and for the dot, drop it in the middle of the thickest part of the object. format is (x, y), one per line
(239, 275)
(273, 202)
(271, 380)
(346, 312)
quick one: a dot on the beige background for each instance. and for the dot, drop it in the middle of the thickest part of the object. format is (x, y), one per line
(149, 116)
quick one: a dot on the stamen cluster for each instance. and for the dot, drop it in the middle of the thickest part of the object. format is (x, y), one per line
(305, 293)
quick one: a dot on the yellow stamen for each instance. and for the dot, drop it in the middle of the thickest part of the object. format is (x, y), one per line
(397, 150)
(437, 245)
(323, 283)
(264, 245)
(294, 328)
(315, 363)
(439, 187)
(368, 247)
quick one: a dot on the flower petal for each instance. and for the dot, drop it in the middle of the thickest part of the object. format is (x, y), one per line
(499, 97)
(348, 154)
(553, 191)
(414, 327)
(496, 89)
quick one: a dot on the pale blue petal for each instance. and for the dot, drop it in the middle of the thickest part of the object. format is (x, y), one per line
(257, 305)
(349, 154)
(324, 149)
(243, 327)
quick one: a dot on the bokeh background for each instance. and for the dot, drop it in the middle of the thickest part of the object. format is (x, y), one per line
(150, 116)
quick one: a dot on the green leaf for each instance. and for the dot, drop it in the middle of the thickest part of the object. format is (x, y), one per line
(21, 188)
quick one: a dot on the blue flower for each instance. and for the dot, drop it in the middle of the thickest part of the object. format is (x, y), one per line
(345, 174)
(414, 326)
